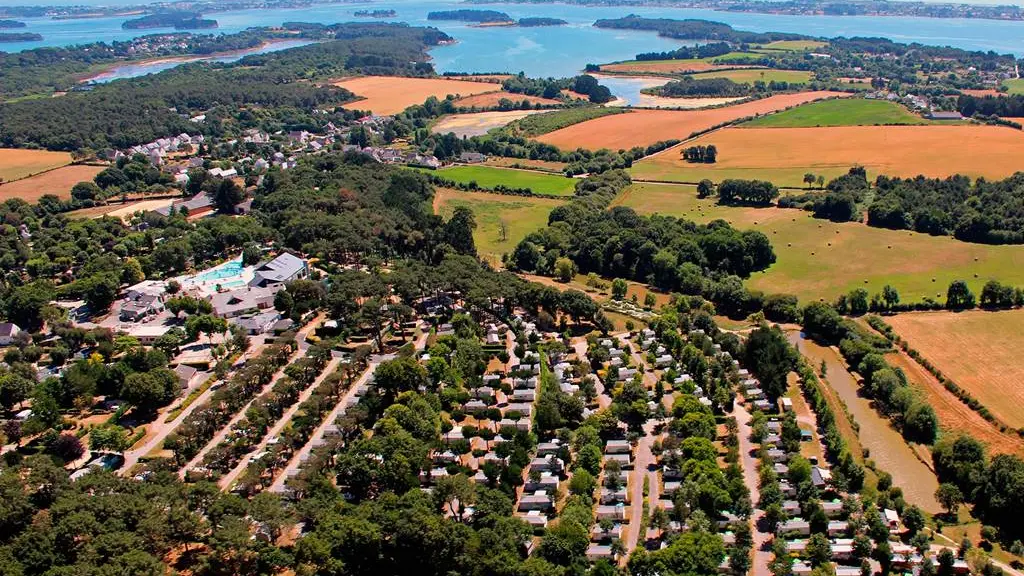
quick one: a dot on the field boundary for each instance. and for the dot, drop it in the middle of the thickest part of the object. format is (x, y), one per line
(889, 333)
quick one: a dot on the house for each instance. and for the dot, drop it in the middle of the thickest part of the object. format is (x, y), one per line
(242, 301)
(892, 519)
(535, 519)
(933, 115)
(795, 526)
(625, 460)
(185, 375)
(198, 205)
(472, 157)
(617, 447)
(599, 552)
(598, 534)
(822, 477)
(616, 512)
(141, 306)
(8, 331)
(837, 527)
(256, 324)
(610, 496)
(785, 404)
(537, 501)
(284, 268)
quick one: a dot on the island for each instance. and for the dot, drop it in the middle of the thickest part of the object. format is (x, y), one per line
(536, 22)
(179, 20)
(8, 24)
(477, 16)
(20, 37)
(375, 13)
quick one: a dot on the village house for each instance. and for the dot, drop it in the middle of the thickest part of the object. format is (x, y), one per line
(285, 268)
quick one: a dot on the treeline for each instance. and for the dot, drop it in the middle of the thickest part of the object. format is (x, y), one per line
(178, 19)
(695, 30)
(689, 52)
(125, 113)
(751, 192)
(584, 84)
(1006, 105)
(667, 252)
(538, 21)
(986, 212)
(701, 154)
(690, 87)
(9, 24)
(469, 15)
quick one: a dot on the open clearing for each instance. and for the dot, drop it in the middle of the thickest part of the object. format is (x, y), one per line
(784, 155)
(478, 123)
(521, 215)
(751, 75)
(491, 100)
(16, 163)
(391, 94)
(543, 165)
(122, 211)
(917, 265)
(978, 350)
(845, 112)
(489, 177)
(644, 127)
(57, 182)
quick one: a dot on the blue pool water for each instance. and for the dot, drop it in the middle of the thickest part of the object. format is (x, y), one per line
(230, 269)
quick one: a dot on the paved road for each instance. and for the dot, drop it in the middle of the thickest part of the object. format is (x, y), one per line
(162, 429)
(228, 479)
(762, 556)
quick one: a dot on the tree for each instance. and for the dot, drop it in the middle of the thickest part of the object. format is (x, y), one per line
(86, 191)
(148, 391)
(619, 288)
(582, 483)
(251, 254)
(809, 179)
(565, 269)
(959, 296)
(459, 231)
(819, 550)
(67, 447)
(890, 296)
(913, 519)
(226, 194)
(108, 437)
(946, 560)
(455, 493)
(705, 188)
(650, 300)
(770, 357)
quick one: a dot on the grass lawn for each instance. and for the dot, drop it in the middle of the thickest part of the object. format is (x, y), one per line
(751, 75)
(793, 45)
(1015, 86)
(521, 215)
(821, 259)
(842, 112)
(489, 178)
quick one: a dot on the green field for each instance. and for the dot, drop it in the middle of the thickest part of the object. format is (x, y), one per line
(751, 75)
(839, 112)
(520, 215)
(1015, 86)
(489, 178)
(822, 259)
(539, 124)
(793, 45)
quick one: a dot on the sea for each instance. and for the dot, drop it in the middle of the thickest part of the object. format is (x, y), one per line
(540, 52)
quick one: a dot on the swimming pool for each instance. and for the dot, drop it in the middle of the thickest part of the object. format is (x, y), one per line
(229, 269)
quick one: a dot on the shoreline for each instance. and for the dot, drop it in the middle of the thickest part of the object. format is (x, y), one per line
(181, 59)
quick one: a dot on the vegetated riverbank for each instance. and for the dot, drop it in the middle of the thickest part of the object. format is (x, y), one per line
(885, 445)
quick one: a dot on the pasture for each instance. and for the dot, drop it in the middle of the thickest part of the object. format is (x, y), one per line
(492, 99)
(488, 177)
(520, 215)
(644, 127)
(751, 75)
(784, 155)
(1014, 85)
(478, 123)
(793, 45)
(822, 259)
(844, 112)
(16, 163)
(978, 350)
(57, 182)
(386, 95)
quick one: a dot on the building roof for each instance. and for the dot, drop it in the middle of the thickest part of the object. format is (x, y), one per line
(8, 329)
(233, 302)
(280, 269)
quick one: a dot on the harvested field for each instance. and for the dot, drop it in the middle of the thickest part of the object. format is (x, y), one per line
(122, 211)
(57, 182)
(784, 155)
(644, 127)
(983, 93)
(491, 100)
(520, 215)
(680, 66)
(822, 259)
(478, 123)
(16, 163)
(651, 101)
(391, 94)
(793, 45)
(978, 350)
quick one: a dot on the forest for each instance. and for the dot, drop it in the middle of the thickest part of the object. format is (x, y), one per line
(692, 29)
(122, 114)
(690, 87)
(177, 19)
(480, 16)
(689, 52)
